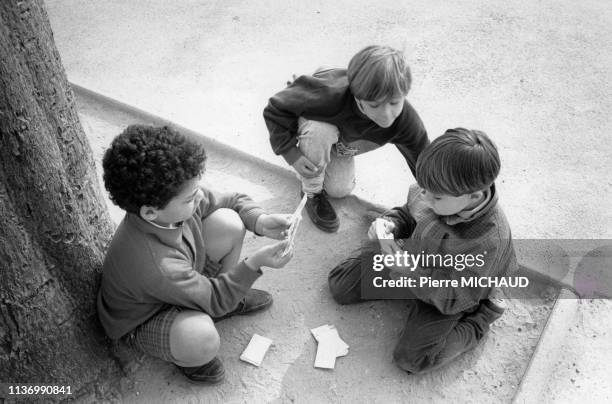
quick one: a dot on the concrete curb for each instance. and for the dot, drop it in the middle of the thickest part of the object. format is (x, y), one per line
(541, 364)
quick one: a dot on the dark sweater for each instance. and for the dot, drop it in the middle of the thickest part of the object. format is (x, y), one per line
(485, 230)
(325, 96)
(147, 267)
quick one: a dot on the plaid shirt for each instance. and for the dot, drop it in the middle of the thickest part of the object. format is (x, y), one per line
(485, 232)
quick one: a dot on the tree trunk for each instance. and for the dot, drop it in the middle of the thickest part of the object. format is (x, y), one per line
(54, 226)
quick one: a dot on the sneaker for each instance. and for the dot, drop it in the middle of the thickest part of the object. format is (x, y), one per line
(255, 300)
(322, 213)
(212, 372)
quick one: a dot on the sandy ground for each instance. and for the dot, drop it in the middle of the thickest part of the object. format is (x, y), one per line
(534, 75)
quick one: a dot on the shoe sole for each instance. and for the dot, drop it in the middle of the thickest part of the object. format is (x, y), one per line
(329, 227)
(257, 308)
(210, 382)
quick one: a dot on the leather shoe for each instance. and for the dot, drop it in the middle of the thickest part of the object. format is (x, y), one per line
(212, 372)
(255, 300)
(322, 213)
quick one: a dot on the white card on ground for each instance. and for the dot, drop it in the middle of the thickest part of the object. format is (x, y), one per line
(326, 355)
(255, 351)
(330, 333)
(318, 332)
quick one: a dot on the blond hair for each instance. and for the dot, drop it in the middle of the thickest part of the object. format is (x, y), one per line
(379, 73)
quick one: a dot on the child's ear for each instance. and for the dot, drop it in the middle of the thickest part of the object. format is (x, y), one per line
(148, 213)
(476, 195)
(359, 104)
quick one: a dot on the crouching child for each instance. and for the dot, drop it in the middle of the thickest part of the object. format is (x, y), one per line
(173, 267)
(451, 214)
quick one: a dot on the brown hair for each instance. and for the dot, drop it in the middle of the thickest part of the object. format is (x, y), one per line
(459, 162)
(379, 73)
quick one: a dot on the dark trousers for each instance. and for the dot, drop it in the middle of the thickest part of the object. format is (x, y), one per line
(430, 339)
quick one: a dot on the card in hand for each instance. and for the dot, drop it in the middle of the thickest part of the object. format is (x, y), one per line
(296, 218)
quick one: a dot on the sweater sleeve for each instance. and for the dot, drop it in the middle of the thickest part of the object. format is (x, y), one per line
(248, 210)
(402, 219)
(401, 216)
(449, 299)
(181, 285)
(412, 139)
(308, 96)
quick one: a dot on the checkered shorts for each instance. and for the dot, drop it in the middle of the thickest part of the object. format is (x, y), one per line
(153, 336)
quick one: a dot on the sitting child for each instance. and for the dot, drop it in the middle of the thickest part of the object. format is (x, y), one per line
(320, 121)
(453, 209)
(173, 268)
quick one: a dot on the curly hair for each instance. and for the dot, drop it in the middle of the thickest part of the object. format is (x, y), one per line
(147, 165)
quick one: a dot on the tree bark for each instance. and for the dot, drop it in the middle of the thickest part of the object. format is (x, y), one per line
(54, 225)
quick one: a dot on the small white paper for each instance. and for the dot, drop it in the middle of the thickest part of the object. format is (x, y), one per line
(329, 344)
(255, 351)
(330, 333)
(296, 218)
(381, 230)
(326, 355)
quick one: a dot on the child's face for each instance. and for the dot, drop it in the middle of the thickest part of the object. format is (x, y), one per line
(382, 113)
(182, 206)
(447, 205)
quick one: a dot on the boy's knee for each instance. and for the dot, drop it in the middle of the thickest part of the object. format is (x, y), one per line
(338, 292)
(222, 230)
(194, 340)
(230, 222)
(409, 360)
(344, 283)
(322, 130)
(336, 189)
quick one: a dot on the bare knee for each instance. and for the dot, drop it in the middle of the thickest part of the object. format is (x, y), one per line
(228, 221)
(194, 340)
(223, 230)
(338, 190)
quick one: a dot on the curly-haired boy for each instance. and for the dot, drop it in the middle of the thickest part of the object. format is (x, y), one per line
(320, 121)
(173, 268)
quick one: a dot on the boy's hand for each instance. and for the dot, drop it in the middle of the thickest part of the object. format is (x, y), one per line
(274, 225)
(306, 168)
(270, 256)
(389, 227)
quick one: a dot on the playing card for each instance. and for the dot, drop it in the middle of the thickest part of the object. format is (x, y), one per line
(381, 231)
(326, 355)
(328, 334)
(296, 218)
(255, 351)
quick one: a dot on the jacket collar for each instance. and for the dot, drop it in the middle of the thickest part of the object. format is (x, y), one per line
(479, 211)
(168, 236)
